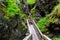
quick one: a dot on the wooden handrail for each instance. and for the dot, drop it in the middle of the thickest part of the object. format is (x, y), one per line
(29, 37)
(35, 31)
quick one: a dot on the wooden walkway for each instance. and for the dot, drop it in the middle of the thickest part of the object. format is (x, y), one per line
(35, 32)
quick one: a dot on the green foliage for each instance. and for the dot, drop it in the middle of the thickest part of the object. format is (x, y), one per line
(12, 9)
(21, 0)
(33, 10)
(31, 1)
(22, 15)
(58, 1)
(33, 16)
(43, 22)
(33, 13)
(56, 38)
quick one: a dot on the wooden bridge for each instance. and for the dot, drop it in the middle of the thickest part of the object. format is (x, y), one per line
(35, 33)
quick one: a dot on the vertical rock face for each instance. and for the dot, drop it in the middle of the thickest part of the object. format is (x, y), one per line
(4, 29)
(11, 29)
(45, 6)
(50, 25)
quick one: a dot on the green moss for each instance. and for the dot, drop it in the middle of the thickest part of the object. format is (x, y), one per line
(31, 1)
(33, 13)
(22, 16)
(56, 38)
(43, 22)
(12, 9)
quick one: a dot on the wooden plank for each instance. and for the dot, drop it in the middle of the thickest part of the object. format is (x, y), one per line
(42, 35)
(29, 37)
(32, 31)
(35, 31)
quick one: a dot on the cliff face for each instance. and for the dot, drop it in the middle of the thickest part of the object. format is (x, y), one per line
(51, 23)
(12, 26)
(45, 6)
(15, 12)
